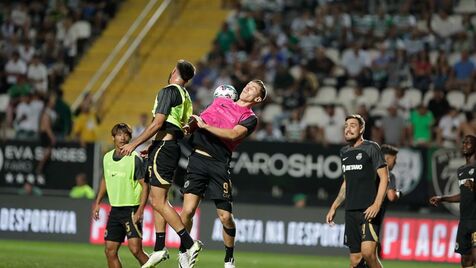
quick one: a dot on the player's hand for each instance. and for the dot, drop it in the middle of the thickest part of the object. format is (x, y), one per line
(371, 211)
(435, 200)
(96, 212)
(469, 184)
(127, 149)
(200, 122)
(330, 217)
(137, 217)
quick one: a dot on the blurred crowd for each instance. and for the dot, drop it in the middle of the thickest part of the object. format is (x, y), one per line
(40, 43)
(407, 66)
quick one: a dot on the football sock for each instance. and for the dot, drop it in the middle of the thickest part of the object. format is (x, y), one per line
(159, 241)
(228, 253)
(185, 238)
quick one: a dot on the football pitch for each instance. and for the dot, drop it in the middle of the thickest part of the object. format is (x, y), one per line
(14, 253)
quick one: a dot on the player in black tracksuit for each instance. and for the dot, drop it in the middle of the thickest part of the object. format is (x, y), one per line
(364, 189)
(466, 236)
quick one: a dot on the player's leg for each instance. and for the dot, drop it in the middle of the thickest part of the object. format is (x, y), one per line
(161, 204)
(111, 251)
(467, 260)
(464, 245)
(190, 205)
(369, 253)
(370, 239)
(160, 227)
(164, 160)
(224, 212)
(473, 247)
(135, 247)
(114, 236)
(356, 260)
(353, 238)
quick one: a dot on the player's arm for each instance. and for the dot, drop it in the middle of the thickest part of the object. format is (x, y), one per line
(148, 133)
(393, 195)
(436, 200)
(166, 99)
(373, 210)
(337, 202)
(240, 131)
(101, 194)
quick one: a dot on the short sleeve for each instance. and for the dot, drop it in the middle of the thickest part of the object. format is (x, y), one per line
(166, 99)
(139, 169)
(250, 124)
(376, 155)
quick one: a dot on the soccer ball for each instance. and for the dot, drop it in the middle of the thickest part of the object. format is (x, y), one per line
(227, 91)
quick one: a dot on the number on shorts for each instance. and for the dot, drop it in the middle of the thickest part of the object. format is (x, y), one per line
(128, 227)
(149, 168)
(225, 187)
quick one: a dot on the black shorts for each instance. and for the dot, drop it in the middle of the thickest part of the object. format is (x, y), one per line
(120, 225)
(466, 236)
(208, 177)
(162, 162)
(358, 229)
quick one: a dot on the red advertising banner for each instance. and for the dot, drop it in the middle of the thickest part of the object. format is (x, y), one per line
(148, 230)
(420, 239)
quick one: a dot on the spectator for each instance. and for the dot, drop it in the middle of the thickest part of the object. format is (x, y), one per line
(320, 64)
(138, 129)
(15, 68)
(299, 200)
(26, 51)
(294, 127)
(47, 137)
(441, 72)
(64, 122)
(444, 27)
(330, 126)
(380, 68)
(269, 133)
(404, 21)
(393, 127)
(38, 75)
(19, 89)
(421, 122)
(225, 38)
(421, 69)
(355, 60)
(448, 127)
(463, 72)
(27, 117)
(86, 123)
(438, 105)
(30, 190)
(82, 189)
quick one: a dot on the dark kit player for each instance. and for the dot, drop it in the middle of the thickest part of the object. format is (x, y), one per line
(127, 192)
(221, 127)
(364, 189)
(466, 236)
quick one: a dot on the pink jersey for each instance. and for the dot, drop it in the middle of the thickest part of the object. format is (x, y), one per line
(224, 113)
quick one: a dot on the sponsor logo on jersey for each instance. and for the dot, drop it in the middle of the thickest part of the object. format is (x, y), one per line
(359, 156)
(352, 167)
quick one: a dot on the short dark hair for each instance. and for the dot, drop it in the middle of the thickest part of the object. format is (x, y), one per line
(358, 117)
(121, 127)
(389, 149)
(263, 89)
(186, 70)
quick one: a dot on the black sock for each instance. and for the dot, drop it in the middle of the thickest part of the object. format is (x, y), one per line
(159, 241)
(228, 253)
(185, 239)
(182, 249)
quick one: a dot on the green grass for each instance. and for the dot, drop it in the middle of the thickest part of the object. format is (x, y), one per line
(53, 254)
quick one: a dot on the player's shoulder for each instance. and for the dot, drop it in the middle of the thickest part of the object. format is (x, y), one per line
(371, 144)
(344, 149)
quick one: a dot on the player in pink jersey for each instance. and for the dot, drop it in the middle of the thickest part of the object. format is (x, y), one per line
(221, 127)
